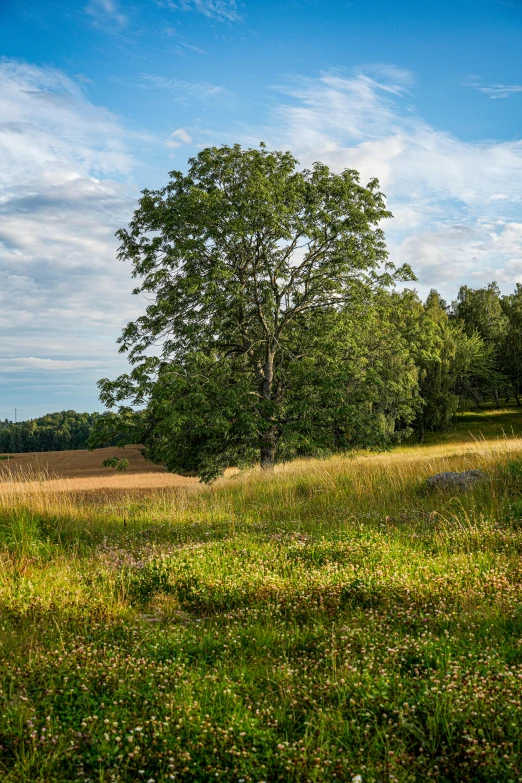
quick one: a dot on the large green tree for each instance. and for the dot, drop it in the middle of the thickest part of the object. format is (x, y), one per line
(480, 312)
(453, 364)
(251, 266)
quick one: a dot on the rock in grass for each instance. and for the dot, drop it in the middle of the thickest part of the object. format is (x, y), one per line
(452, 480)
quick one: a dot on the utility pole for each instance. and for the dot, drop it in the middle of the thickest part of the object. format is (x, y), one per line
(16, 409)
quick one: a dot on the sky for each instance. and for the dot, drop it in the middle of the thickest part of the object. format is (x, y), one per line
(102, 98)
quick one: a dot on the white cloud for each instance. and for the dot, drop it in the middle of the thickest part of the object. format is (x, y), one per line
(456, 204)
(106, 12)
(33, 362)
(65, 187)
(182, 89)
(177, 138)
(220, 10)
(500, 90)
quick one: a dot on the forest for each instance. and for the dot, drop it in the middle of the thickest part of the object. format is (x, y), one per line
(53, 432)
(405, 367)
(418, 363)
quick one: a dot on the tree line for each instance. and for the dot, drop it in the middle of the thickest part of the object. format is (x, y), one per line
(52, 432)
(276, 328)
(464, 354)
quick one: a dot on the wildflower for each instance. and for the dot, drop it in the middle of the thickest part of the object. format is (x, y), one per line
(357, 779)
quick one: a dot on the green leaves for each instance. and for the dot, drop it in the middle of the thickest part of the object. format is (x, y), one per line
(54, 432)
(246, 261)
(118, 463)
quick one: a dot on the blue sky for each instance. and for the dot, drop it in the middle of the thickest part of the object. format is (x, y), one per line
(101, 98)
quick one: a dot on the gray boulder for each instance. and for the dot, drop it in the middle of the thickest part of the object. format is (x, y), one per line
(455, 480)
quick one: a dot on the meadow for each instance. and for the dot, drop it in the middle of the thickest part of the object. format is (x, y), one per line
(333, 621)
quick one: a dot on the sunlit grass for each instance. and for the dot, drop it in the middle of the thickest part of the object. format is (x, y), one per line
(332, 620)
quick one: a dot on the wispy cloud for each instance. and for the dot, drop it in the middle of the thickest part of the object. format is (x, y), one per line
(220, 10)
(500, 90)
(106, 12)
(182, 90)
(493, 91)
(33, 362)
(457, 205)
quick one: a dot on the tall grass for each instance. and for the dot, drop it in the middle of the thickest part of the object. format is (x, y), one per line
(332, 621)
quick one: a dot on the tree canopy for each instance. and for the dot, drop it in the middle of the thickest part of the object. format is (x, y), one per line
(273, 328)
(259, 276)
(452, 364)
(511, 341)
(53, 432)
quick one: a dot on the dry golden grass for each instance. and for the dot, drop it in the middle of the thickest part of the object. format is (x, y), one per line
(301, 491)
(82, 471)
(75, 485)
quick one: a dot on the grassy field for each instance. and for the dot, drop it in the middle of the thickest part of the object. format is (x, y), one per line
(82, 471)
(334, 621)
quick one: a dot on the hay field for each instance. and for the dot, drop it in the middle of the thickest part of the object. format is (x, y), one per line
(333, 621)
(83, 471)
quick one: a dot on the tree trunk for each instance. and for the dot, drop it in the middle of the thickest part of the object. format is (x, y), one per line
(517, 395)
(476, 399)
(497, 401)
(268, 438)
(268, 450)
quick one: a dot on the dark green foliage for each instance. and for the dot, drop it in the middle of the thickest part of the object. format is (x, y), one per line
(118, 463)
(280, 335)
(251, 267)
(54, 432)
(116, 429)
(454, 364)
(480, 312)
(511, 345)
(354, 382)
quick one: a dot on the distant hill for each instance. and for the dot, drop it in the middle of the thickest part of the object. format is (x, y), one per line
(53, 432)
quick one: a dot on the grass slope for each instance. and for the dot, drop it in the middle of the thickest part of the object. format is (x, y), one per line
(332, 622)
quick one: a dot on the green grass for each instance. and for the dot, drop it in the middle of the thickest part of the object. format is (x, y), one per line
(334, 620)
(488, 423)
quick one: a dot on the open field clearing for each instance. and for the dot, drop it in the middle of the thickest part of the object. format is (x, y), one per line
(334, 621)
(83, 471)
